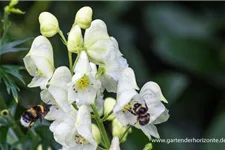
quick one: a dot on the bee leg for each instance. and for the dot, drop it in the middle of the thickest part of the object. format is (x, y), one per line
(31, 124)
(132, 112)
(146, 106)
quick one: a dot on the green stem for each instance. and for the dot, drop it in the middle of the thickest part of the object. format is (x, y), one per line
(5, 26)
(11, 120)
(105, 117)
(69, 53)
(76, 60)
(125, 132)
(101, 126)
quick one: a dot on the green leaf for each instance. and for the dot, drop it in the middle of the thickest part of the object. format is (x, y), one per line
(3, 135)
(11, 86)
(11, 47)
(14, 71)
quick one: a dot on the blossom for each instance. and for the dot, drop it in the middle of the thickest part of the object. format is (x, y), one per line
(75, 131)
(39, 62)
(115, 144)
(84, 17)
(150, 97)
(83, 88)
(104, 51)
(49, 24)
(75, 40)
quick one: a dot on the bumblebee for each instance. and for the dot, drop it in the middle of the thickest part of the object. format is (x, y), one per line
(31, 115)
(143, 117)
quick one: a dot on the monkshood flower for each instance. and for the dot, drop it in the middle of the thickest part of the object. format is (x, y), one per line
(104, 51)
(39, 62)
(141, 110)
(115, 144)
(49, 24)
(56, 94)
(75, 131)
(83, 88)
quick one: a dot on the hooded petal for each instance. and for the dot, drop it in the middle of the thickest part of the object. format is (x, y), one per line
(127, 81)
(151, 91)
(39, 62)
(97, 31)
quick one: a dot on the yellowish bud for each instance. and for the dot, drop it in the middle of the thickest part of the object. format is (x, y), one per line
(13, 3)
(49, 25)
(84, 17)
(118, 130)
(96, 133)
(108, 107)
(148, 146)
(75, 40)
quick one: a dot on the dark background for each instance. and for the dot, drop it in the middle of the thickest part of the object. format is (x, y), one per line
(179, 45)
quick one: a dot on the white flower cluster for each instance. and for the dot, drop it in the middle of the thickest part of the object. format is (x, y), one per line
(72, 93)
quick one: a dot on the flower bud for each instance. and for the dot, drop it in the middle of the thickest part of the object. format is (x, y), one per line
(13, 3)
(96, 133)
(84, 17)
(75, 40)
(148, 146)
(108, 106)
(5, 112)
(49, 25)
(118, 130)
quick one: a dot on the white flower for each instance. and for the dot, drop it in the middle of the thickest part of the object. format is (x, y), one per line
(49, 25)
(149, 98)
(104, 51)
(83, 88)
(84, 17)
(75, 131)
(115, 144)
(75, 40)
(39, 62)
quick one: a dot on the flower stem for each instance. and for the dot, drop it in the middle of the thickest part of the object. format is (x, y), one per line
(11, 120)
(105, 117)
(125, 132)
(69, 53)
(101, 126)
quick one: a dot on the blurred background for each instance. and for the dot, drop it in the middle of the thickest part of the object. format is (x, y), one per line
(179, 45)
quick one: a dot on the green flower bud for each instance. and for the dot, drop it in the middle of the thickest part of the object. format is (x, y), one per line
(5, 112)
(148, 146)
(84, 17)
(96, 133)
(118, 130)
(75, 40)
(108, 106)
(49, 25)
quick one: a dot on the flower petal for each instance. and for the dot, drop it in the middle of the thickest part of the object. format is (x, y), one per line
(97, 31)
(149, 130)
(127, 81)
(83, 124)
(115, 144)
(83, 65)
(162, 118)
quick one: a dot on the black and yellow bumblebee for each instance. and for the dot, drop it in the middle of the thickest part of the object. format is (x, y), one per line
(141, 111)
(29, 117)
